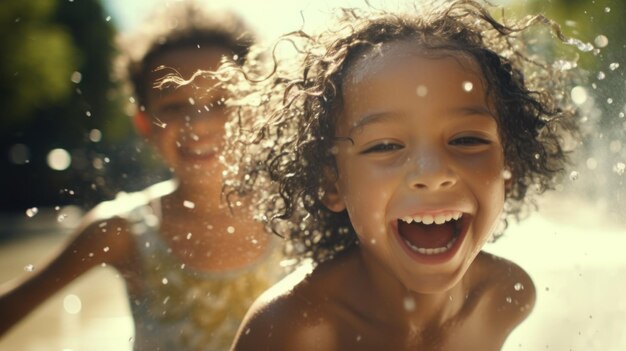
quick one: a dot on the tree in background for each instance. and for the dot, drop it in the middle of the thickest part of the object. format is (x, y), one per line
(57, 91)
(601, 167)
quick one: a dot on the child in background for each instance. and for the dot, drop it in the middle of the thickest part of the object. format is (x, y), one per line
(191, 266)
(398, 145)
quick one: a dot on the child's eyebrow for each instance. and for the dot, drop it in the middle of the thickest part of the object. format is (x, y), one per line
(369, 119)
(472, 110)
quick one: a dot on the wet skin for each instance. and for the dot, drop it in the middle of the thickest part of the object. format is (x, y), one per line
(410, 154)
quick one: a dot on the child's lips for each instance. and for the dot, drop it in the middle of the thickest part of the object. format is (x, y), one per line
(418, 244)
(201, 150)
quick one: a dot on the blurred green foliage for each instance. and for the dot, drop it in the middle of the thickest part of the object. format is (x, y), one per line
(56, 86)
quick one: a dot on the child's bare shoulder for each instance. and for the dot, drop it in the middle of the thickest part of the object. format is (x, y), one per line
(508, 288)
(302, 312)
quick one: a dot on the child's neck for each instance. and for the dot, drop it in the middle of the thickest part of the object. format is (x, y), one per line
(202, 198)
(417, 311)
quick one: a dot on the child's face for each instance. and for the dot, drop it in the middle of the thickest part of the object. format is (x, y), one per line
(188, 121)
(426, 147)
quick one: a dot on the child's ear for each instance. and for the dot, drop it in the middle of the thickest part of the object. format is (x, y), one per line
(332, 198)
(142, 123)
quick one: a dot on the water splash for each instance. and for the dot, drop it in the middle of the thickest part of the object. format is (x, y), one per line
(31, 212)
(584, 47)
(29, 268)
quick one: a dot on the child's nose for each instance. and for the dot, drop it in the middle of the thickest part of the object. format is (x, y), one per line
(428, 170)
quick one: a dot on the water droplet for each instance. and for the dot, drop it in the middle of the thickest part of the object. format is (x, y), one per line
(564, 65)
(230, 230)
(31, 212)
(506, 174)
(609, 101)
(607, 9)
(468, 86)
(358, 338)
(76, 77)
(518, 286)
(95, 135)
(579, 95)
(59, 159)
(189, 236)
(601, 75)
(164, 281)
(613, 66)
(509, 299)
(591, 163)
(409, 303)
(421, 91)
(601, 41)
(72, 304)
(537, 156)
(621, 115)
(573, 176)
(108, 18)
(619, 168)
(189, 204)
(61, 217)
(29, 268)
(106, 249)
(88, 113)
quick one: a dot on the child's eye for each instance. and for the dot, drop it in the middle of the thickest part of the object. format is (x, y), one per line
(469, 141)
(382, 148)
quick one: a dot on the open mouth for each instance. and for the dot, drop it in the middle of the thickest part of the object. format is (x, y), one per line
(433, 234)
(198, 151)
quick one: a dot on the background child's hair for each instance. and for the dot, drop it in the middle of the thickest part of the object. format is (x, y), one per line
(180, 25)
(284, 130)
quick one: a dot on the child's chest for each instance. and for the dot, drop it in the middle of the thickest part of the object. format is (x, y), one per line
(474, 333)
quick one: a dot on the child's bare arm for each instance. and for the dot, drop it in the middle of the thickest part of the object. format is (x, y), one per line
(95, 242)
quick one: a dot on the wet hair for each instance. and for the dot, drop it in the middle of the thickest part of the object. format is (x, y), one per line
(178, 26)
(283, 131)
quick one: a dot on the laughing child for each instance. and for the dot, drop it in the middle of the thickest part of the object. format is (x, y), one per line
(390, 154)
(191, 266)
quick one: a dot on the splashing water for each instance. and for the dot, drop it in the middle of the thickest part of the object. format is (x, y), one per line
(613, 66)
(29, 268)
(189, 204)
(584, 47)
(31, 212)
(573, 176)
(619, 168)
(518, 286)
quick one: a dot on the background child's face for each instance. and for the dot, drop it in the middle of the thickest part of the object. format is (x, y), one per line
(425, 145)
(188, 121)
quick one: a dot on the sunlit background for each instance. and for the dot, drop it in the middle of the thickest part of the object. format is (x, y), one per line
(66, 143)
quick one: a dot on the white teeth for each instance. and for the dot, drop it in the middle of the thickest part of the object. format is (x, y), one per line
(430, 219)
(431, 251)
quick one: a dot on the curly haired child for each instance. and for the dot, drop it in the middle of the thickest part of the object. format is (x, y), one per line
(191, 266)
(390, 152)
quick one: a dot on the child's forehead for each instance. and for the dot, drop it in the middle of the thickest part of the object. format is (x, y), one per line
(383, 56)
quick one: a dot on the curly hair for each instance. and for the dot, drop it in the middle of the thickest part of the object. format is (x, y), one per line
(283, 131)
(177, 26)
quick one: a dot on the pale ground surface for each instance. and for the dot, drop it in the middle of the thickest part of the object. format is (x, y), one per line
(575, 259)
